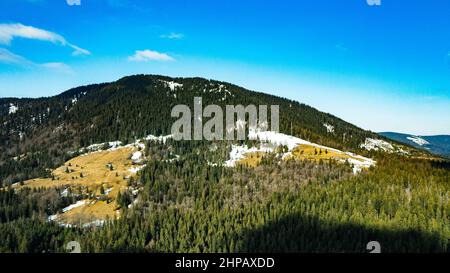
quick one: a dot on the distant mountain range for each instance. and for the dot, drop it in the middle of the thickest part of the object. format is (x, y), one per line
(439, 145)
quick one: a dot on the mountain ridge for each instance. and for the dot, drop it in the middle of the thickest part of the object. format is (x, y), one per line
(183, 196)
(436, 144)
(42, 130)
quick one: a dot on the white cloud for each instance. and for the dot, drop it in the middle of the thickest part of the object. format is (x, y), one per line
(149, 55)
(172, 36)
(61, 67)
(8, 57)
(74, 2)
(79, 51)
(10, 31)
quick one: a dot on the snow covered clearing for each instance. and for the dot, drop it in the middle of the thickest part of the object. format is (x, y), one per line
(270, 140)
(238, 153)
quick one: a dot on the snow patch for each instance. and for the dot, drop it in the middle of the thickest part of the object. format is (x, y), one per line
(270, 140)
(161, 139)
(376, 145)
(175, 158)
(212, 164)
(277, 139)
(172, 85)
(96, 223)
(418, 140)
(13, 108)
(107, 191)
(52, 217)
(65, 192)
(136, 169)
(402, 151)
(219, 89)
(76, 205)
(137, 156)
(113, 145)
(330, 128)
(238, 153)
(359, 162)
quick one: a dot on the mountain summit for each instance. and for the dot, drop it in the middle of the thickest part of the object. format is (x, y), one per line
(40, 132)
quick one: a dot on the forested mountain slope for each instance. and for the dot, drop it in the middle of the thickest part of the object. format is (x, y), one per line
(40, 132)
(156, 194)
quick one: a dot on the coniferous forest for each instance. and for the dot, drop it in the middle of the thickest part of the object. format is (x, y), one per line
(189, 205)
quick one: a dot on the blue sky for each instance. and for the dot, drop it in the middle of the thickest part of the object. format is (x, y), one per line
(383, 68)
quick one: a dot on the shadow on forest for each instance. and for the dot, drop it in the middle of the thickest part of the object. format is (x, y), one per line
(444, 164)
(297, 233)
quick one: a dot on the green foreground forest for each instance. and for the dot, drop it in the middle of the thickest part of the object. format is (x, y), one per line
(296, 206)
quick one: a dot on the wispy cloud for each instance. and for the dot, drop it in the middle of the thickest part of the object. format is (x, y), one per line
(149, 55)
(172, 36)
(74, 2)
(10, 31)
(10, 58)
(61, 67)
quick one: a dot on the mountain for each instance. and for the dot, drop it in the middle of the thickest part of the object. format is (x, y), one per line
(42, 131)
(97, 164)
(439, 144)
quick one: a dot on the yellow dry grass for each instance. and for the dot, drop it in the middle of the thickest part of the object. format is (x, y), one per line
(93, 210)
(314, 153)
(301, 152)
(91, 173)
(252, 159)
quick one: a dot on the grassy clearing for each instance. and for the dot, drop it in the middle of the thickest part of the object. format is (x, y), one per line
(252, 159)
(314, 153)
(94, 210)
(301, 152)
(101, 174)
